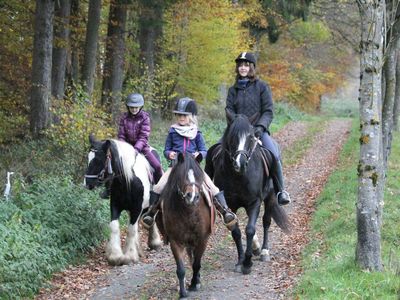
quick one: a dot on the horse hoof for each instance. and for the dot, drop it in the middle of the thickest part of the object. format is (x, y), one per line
(256, 252)
(246, 270)
(265, 255)
(195, 287)
(155, 247)
(238, 268)
(115, 261)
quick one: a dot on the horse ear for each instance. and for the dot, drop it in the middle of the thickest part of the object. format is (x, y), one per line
(181, 157)
(229, 116)
(92, 139)
(254, 118)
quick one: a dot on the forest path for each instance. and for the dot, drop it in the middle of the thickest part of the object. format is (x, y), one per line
(154, 277)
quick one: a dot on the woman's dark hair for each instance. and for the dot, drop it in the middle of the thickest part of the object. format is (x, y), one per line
(252, 72)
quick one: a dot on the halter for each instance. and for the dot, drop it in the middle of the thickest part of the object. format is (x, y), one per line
(183, 194)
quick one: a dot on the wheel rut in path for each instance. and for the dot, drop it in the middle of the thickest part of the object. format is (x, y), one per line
(154, 277)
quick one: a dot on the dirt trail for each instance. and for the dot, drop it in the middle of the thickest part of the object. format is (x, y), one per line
(155, 278)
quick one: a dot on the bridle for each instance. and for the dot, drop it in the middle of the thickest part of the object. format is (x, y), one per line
(246, 153)
(107, 170)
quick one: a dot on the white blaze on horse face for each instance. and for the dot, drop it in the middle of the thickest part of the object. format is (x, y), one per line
(242, 142)
(91, 156)
(192, 181)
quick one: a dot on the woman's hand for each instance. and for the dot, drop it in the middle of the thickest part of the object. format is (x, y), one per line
(172, 155)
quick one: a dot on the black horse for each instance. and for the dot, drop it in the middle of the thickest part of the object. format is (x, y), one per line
(239, 167)
(186, 217)
(129, 173)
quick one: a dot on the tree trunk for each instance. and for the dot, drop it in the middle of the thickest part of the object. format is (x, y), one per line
(368, 251)
(92, 36)
(73, 61)
(41, 67)
(396, 107)
(61, 35)
(388, 104)
(150, 31)
(113, 71)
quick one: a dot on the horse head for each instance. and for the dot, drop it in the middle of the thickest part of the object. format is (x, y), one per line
(98, 162)
(187, 176)
(239, 141)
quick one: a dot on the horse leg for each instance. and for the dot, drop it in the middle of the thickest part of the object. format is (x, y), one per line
(256, 246)
(113, 251)
(250, 232)
(154, 240)
(178, 253)
(237, 237)
(132, 245)
(196, 266)
(266, 224)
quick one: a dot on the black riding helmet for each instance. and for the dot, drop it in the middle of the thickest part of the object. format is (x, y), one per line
(134, 100)
(246, 56)
(185, 106)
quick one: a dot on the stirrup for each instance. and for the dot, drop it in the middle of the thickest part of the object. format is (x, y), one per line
(231, 224)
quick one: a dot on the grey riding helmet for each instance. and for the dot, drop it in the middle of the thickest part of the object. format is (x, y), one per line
(185, 106)
(246, 56)
(134, 100)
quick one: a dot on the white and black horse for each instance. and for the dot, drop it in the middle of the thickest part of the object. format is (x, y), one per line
(129, 173)
(239, 167)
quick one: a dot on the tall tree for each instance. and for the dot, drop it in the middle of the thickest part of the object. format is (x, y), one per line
(92, 37)
(113, 71)
(370, 168)
(61, 36)
(150, 31)
(73, 59)
(396, 106)
(41, 67)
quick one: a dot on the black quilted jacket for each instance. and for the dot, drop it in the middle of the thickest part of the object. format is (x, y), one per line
(255, 97)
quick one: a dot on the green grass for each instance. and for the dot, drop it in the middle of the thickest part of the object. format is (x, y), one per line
(329, 265)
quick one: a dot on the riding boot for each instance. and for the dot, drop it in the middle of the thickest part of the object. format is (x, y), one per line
(148, 218)
(283, 196)
(230, 218)
(105, 194)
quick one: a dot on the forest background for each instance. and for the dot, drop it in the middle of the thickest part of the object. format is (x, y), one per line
(94, 53)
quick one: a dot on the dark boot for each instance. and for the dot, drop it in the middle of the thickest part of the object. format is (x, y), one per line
(283, 196)
(148, 218)
(105, 194)
(230, 218)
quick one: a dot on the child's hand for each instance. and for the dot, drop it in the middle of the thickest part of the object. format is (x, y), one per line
(172, 155)
(195, 154)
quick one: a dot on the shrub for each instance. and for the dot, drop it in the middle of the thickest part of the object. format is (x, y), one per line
(46, 226)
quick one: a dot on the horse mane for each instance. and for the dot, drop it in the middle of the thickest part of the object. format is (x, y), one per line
(178, 179)
(128, 162)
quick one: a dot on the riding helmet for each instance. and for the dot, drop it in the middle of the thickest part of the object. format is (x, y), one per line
(246, 56)
(185, 106)
(134, 100)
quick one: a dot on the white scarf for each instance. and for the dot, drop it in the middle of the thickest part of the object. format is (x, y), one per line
(189, 131)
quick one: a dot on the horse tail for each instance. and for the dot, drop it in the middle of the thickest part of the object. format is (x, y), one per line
(279, 215)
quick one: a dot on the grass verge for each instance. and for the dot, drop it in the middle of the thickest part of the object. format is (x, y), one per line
(329, 265)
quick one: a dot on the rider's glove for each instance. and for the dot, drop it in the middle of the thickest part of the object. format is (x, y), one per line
(258, 131)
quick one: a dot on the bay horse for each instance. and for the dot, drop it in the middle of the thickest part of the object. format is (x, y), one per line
(239, 166)
(185, 217)
(128, 171)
